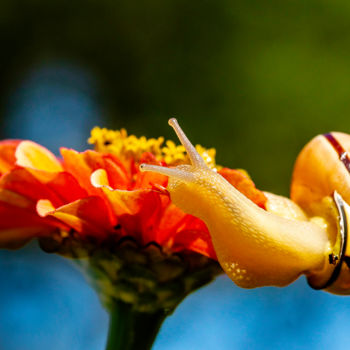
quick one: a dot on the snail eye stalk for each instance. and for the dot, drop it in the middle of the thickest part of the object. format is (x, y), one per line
(196, 159)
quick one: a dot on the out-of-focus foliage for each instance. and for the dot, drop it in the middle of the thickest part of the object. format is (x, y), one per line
(255, 79)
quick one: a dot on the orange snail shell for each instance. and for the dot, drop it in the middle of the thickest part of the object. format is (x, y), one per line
(322, 167)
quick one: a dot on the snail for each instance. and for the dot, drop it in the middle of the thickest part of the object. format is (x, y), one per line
(306, 234)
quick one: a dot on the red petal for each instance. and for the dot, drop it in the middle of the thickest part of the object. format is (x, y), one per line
(193, 235)
(88, 215)
(245, 185)
(171, 218)
(78, 164)
(82, 165)
(66, 187)
(19, 225)
(136, 211)
(149, 179)
(117, 174)
(21, 181)
(7, 155)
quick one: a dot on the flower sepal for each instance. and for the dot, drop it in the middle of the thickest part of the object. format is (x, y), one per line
(147, 277)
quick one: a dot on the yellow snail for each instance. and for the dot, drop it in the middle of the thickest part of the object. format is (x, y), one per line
(257, 247)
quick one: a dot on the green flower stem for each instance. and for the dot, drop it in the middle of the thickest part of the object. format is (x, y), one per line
(132, 330)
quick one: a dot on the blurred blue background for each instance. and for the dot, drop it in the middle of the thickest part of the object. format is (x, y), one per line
(255, 79)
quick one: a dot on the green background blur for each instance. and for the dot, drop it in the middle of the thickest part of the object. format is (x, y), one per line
(255, 79)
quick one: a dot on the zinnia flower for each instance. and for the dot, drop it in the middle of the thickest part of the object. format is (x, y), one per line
(140, 250)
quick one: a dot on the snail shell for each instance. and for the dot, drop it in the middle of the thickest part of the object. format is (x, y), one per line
(321, 172)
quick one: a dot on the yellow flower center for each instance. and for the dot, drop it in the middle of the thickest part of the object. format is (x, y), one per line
(119, 143)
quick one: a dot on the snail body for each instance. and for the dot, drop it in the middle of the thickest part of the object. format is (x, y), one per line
(257, 247)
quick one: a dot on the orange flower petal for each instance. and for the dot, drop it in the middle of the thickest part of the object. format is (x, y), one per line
(196, 241)
(193, 234)
(31, 155)
(22, 182)
(136, 211)
(88, 215)
(81, 166)
(171, 219)
(7, 155)
(149, 179)
(19, 225)
(15, 199)
(117, 173)
(65, 186)
(99, 178)
(128, 202)
(44, 207)
(245, 185)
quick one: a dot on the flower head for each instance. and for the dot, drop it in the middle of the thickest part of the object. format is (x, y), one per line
(98, 202)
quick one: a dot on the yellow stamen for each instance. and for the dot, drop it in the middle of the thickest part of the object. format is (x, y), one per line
(119, 143)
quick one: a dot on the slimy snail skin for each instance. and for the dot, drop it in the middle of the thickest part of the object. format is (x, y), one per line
(272, 247)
